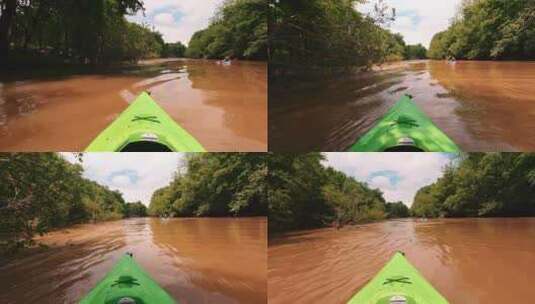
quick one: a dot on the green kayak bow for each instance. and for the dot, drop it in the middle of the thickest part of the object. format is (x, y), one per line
(127, 283)
(144, 127)
(405, 128)
(398, 283)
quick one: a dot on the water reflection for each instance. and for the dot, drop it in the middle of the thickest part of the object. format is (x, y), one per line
(225, 108)
(196, 261)
(482, 106)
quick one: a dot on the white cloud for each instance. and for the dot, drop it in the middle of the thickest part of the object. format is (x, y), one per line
(177, 20)
(164, 19)
(136, 175)
(414, 171)
(419, 20)
(121, 181)
(381, 182)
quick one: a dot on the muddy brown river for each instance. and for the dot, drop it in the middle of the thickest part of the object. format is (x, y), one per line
(194, 260)
(482, 106)
(224, 107)
(472, 261)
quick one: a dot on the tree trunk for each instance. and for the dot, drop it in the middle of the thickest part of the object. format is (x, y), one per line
(6, 23)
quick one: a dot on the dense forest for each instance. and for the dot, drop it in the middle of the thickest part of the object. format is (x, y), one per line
(481, 184)
(304, 193)
(326, 33)
(58, 32)
(488, 29)
(42, 191)
(239, 30)
(85, 31)
(218, 184)
(137, 209)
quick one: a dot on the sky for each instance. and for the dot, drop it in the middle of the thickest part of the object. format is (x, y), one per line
(177, 20)
(136, 175)
(398, 175)
(419, 20)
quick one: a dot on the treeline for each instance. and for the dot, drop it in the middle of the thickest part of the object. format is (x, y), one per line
(326, 33)
(489, 29)
(217, 184)
(97, 32)
(136, 209)
(77, 32)
(481, 185)
(42, 191)
(239, 30)
(303, 193)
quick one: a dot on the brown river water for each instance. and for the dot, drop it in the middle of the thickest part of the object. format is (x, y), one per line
(467, 260)
(194, 260)
(224, 107)
(482, 106)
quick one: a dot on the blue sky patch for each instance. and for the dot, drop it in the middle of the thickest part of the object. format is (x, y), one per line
(132, 175)
(392, 176)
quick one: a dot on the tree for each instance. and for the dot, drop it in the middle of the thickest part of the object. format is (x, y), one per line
(239, 30)
(175, 50)
(397, 210)
(481, 184)
(221, 184)
(84, 31)
(42, 191)
(137, 209)
(488, 29)
(417, 51)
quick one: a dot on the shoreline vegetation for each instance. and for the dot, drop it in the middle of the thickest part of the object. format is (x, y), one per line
(328, 38)
(304, 194)
(332, 37)
(42, 192)
(47, 34)
(488, 30)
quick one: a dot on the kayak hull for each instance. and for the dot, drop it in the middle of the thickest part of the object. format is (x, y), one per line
(127, 281)
(144, 127)
(405, 124)
(400, 281)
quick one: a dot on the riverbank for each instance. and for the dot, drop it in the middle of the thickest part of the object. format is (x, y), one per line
(195, 260)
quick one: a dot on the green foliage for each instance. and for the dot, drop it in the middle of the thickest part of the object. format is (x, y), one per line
(489, 29)
(218, 184)
(417, 51)
(397, 210)
(41, 191)
(84, 31)
(492, 184)
(239, 30)
(326, 33)
(303, 193)
(137, 209)
(174, 50)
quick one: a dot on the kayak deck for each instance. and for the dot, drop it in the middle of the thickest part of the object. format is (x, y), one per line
(398, 283)
(127, 283)
(144, 127)
(405, 128)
